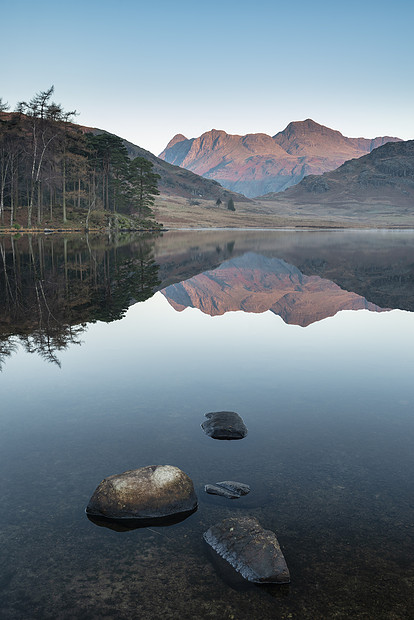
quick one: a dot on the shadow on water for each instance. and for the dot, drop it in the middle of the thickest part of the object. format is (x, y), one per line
(127, 525)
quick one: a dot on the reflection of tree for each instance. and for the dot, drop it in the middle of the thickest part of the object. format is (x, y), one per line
(8, 345)
(52, 287)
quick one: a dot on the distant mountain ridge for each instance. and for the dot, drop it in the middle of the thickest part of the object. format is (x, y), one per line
(256, 164)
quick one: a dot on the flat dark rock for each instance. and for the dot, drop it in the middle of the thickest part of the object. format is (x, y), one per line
(228, 488)
(224, 425)
(250, 549)
(215, 489)
(235, 487)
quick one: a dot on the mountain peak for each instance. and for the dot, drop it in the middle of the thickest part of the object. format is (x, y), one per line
(308, 124)
(303, 128)
(177, 138)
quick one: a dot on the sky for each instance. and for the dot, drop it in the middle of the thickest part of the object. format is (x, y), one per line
(147, 71)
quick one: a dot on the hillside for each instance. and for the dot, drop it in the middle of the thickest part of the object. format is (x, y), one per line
(383, 177)
(55, 173)
(176, 181)
(255, 164)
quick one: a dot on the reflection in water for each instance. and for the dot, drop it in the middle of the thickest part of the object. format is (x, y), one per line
(255, 283)
(127, 525)
(378, 265)
(328, 455)
(51, 287)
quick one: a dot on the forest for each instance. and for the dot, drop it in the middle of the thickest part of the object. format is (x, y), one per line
(54, 172)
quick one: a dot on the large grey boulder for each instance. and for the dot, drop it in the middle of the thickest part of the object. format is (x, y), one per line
(224, 425)
(251, 550)
(151, 492)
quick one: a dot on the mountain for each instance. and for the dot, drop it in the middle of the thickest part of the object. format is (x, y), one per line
(383, 177)
(256, 164)
(256, 283)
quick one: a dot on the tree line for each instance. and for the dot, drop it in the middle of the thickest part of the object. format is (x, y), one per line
(52, 170)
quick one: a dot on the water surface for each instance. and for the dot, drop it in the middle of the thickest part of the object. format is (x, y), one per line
(105, 370)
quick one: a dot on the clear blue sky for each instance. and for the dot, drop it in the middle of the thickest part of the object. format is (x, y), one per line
(147, 71)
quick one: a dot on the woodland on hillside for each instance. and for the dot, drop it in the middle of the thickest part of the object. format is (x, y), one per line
(52, 170)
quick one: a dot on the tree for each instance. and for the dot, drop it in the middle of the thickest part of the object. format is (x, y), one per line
(230, 205)
(48, 163)
(4, 106)
(218, 202)
(144, 185)
(42, 115)
(109, 159)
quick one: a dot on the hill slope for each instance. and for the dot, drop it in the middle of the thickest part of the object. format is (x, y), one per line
(385, 176)
(256, 164)
(176, 181)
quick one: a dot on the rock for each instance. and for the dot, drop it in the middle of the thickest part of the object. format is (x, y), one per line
(152, 492)
(228, 488)
(251, 550)
(224, 425)
(215, 489)
(236, 487)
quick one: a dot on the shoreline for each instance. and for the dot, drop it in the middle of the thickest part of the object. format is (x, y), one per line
(53, 231)
(287, 228)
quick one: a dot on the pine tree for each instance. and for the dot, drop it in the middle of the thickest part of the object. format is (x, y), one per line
(144, 185)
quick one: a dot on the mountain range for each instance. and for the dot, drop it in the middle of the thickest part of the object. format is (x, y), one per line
(256, 164)
(256, 283)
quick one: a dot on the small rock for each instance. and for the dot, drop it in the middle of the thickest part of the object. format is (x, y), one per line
(215, 489)
(251, 550)
(236, 487)
(150, 492)
(224, 425)
(228, 488)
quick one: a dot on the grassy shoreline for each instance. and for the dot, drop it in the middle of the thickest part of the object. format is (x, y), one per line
(177, 213)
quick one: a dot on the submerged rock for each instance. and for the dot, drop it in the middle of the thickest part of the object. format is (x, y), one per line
(251, 550)
(228, 488)
(224, 425)
(151, 492)
(215, 489)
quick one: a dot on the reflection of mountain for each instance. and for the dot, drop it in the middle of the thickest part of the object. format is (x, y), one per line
(255, 283)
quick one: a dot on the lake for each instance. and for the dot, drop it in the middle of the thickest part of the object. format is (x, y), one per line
(113, 350)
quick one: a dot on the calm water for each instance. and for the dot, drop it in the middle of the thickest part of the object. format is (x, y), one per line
(111, 355)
